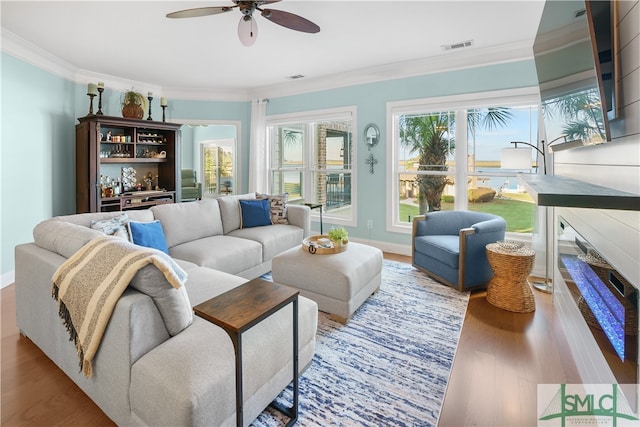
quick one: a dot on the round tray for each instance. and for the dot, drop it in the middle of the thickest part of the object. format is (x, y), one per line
(310, 244)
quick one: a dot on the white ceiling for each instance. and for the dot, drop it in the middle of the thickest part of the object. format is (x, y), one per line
(134, 41)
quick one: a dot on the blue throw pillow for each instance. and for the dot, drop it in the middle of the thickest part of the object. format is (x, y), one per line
(255, 213)
(148, 234)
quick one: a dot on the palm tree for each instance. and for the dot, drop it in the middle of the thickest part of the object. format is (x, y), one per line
(430, 137)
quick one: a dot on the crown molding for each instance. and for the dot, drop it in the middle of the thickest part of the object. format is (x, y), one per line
(465, 59)
(38, 57)
(208, 94)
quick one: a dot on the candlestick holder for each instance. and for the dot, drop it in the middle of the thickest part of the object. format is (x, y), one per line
(150, 98)
(164, 107)
(91, 96)
(99, 112)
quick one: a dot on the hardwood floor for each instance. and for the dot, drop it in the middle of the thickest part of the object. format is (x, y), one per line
(501, 358)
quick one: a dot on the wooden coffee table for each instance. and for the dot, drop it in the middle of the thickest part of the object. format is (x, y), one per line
(242, 308)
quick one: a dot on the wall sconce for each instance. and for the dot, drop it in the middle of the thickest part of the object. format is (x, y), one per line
(371, 135)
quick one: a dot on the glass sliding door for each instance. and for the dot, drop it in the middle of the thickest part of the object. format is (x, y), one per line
(217, 168)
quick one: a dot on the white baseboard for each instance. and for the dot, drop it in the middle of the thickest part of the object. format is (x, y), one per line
(7, 278)
(394, 248)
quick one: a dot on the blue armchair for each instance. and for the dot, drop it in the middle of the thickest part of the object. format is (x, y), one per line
(450, 246)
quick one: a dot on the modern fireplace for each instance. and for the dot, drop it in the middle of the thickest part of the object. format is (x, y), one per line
(607, 301)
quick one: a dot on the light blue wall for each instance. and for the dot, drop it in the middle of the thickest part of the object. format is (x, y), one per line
(187, 151)
(371, 103)
(39, 112)
(37, 150)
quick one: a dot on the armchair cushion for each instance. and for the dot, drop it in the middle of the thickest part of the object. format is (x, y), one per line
(188, 178)
(443, 248)
(190, 188)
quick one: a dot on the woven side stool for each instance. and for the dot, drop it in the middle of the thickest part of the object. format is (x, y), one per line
(509, 288)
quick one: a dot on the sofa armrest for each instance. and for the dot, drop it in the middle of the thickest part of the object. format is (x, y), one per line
(300, 216)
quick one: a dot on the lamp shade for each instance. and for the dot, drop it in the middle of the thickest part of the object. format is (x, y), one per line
(515, 158)
(247, 31)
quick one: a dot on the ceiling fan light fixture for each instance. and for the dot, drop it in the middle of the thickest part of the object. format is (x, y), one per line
(247, 30)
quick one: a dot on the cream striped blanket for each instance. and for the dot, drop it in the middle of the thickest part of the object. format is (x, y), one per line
(89, 284)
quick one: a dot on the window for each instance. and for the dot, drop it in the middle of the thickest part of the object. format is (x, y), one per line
(310, 159)
(446, 155)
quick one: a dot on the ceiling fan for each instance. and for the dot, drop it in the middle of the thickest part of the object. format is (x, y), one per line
(247, 28)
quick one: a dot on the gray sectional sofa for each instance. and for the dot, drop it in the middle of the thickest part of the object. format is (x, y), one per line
(142, 375)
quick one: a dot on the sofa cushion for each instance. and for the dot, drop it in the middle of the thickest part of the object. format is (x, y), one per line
(205, 283)
(224, 253)
(278, 207)
(62, 237)
(173, 304)
(274, 238)
(254, 213)
(116, 226)
(184, 222)
(148, 234)
(85, 219)
(230, 210)
(187, 380)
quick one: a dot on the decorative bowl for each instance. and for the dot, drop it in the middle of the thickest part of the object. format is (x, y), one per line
(594, 258)
(510, 245)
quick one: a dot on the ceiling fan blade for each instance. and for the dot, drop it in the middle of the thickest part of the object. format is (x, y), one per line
(290, 20)
(200, 11)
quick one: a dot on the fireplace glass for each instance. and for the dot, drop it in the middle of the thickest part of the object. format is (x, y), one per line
(606, 300)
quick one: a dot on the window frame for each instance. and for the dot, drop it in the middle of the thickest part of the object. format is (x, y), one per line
(309, 168)
(454, 103)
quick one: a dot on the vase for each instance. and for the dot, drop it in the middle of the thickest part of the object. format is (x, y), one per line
(132, 111)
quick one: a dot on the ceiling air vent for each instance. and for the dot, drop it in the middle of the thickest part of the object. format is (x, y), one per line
(457, 45)
(296, 77)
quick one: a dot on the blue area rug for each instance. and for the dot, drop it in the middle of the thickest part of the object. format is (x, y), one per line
(389, 366)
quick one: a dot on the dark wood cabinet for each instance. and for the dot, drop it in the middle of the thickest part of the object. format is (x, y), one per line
(120, 160)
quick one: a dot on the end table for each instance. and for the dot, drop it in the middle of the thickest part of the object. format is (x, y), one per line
(509, 288)
(242, 308)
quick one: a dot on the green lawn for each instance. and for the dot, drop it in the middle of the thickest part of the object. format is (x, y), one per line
(518, 214)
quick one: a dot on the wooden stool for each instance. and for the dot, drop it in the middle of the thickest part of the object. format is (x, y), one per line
(509, 288)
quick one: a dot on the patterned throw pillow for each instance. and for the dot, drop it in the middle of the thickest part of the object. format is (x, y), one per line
(278, 207)
(116, 226)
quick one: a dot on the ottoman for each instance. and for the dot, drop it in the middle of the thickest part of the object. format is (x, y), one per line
(339, 283)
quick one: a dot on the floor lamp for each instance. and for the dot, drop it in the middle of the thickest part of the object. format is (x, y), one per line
(520, 158)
